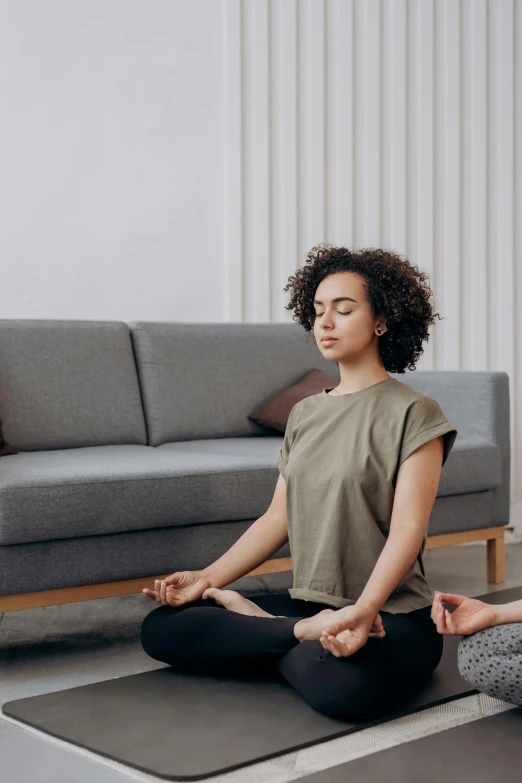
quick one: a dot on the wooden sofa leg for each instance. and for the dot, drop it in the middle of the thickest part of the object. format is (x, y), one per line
(496, 559)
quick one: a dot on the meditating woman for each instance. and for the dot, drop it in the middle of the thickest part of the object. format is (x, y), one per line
(359, 471)
(490, 651)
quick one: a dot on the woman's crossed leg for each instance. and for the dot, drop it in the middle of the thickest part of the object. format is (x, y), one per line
(204, 637)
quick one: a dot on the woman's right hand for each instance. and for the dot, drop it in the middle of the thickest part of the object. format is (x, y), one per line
(179, 588)
(470, 615)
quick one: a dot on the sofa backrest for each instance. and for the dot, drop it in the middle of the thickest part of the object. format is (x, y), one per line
(203, 380)
(66, 384)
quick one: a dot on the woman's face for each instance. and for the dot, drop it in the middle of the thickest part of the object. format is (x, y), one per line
(351, 320)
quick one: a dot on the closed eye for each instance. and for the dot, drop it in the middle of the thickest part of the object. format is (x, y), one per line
(339, 311)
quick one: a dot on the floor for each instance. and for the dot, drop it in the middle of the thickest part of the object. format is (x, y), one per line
(58, 647)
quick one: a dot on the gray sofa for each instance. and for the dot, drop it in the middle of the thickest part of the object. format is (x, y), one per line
(137, 457)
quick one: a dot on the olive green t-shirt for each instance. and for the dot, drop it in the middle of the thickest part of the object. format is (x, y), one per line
(340, 457)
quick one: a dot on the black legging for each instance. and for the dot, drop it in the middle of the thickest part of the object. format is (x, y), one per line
(375, 681)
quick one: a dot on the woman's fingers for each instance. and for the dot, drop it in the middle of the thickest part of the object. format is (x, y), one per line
(163, 593)
(330, 643)
(170, 596)
(152, 593)
(452, 598)
(174, 598)
(160, 592)
(377, 631)
(434, 608)
(450, 622)
(440, 619)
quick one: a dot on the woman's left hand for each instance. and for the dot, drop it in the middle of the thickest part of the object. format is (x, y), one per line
(350, 630)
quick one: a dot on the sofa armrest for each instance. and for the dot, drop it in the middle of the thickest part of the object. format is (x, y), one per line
(476, 403)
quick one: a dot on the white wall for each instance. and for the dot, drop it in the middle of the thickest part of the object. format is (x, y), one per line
(176, 159)
(111, 159)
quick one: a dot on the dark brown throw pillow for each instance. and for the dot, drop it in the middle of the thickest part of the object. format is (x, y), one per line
(5, 448)
(276, 411)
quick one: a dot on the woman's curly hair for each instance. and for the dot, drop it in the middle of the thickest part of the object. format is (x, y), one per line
(396, 289)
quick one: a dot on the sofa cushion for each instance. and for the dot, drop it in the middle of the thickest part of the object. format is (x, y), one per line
(65, 384)
(204, 380)
(111, 489)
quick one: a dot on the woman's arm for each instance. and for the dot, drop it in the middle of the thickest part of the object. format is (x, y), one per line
(415, 492)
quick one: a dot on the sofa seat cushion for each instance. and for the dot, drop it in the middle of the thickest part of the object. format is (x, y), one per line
(96, 490)
(66, 493)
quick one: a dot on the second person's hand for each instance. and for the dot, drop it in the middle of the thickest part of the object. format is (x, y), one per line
(471, 615)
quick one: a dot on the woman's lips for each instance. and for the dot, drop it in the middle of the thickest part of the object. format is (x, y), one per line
(329, 342)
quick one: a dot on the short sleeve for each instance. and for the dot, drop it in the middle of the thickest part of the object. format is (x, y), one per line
(283, 451)
(424, 421)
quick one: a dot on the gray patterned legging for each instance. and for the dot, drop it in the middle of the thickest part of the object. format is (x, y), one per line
(491, 661)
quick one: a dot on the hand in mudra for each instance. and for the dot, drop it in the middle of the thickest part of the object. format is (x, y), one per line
(470, 615)
(349, 630)
(179, 588)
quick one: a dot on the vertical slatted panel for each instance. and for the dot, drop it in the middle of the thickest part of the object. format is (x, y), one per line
(501, 162)
(447, 179)
(233, 142)
(311, 92)
(367, 88)
(394, 189)
(256, 193)
(474, 170)
(284, 186)
(381, 122)
(421, 148)
(340, 122)
(501, 299)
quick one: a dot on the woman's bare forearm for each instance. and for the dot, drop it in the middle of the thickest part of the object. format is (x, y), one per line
(263, 538)
(509, 613)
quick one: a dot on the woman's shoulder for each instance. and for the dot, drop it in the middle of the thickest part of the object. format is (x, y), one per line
(410, 396)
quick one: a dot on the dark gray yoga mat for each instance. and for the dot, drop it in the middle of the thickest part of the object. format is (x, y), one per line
(484, 750)
(188, 727)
